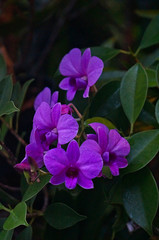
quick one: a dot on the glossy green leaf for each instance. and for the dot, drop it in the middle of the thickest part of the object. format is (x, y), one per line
(100, 120)
(157, 74)
(147, 13)
(144, 146)
(3, 68)
(60, 216)
(17, 217)
(23, 92)
(106, 103)
(6, 89)
(151, 35)
(157, 111)
(133, 91)
(6, 197)
(6, 235)
(26, 234)
(140, 198)
(152, 80)
(36, 187)
(104, 53)
(7, 108)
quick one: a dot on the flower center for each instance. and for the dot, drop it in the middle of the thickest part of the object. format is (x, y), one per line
(72, 172)
(84, 78)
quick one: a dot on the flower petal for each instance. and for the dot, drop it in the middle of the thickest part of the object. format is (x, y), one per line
(33, 150)
(122, 148)
(54, 98)
(102, 138)
(86, 92)
(73, 152)
(65, 84)
(114, 169)
(70, 94)
(121, 162)
(90, 164)
(67, 128)
(70, 182)
(71, 64)
(85, 60)
(55, 160)
(95, 126)
(114, 138)
(43, 96)
(94, 70)
(84, 182)
(90, 145)
(55, 114)
(42, 118)
(80, 83)
(58, 179)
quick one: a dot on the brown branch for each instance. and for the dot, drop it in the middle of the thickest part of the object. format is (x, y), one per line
(9, 187)
(10, 154)
(46, 199)
(13, 132)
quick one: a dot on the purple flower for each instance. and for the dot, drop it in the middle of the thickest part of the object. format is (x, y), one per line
(45, 96)
(75, 166)
(81, 72)
(112, 147)
(49, 125)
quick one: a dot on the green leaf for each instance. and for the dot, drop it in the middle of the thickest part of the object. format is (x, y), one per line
(151, 35)
(6, 89)
(133, 92)
(147, 13)
(17, 217)
(152, 80)
(6, 235)
(140, 198)
(104, 53)
(3, 68)
(6, 197)
(100, 120)
(157, 111)
(106, 103)
(36, 187)
(23, 92)
(143, 148)
(26, 234)
(157, 74)
(7, 108)
(60, 216)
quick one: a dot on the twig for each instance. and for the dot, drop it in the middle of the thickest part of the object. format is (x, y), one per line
(11, 155)
(9, 187)
(13, 132)
(46, 199)
(76, 110)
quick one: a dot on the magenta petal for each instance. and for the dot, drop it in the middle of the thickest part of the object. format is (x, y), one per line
(114, 138)
(70, 182)
(93, 137)
(55, 114)
(80, 83)
(42, 118)
(105, 157)
(90, 145)
(122, 148)
(55, 160)
(33, 150)
(58, 179)
(102, 138)
(114, 169)
(95, 126)
(71, 63)
(84, 182)
(43, 96)
(86, 92)
(73, 152)
(71, 93)
(65, 83)
(67, 128)
(121, 162)
(85, 60)
(54, 98)
(94, 70)
(90, 164)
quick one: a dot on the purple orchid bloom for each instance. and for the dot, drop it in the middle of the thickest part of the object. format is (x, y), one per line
(75, 166)
(81, 72)
(112, 147)
(49, 125)
(45, 96)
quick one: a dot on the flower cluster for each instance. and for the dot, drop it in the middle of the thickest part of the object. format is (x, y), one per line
(54, 126)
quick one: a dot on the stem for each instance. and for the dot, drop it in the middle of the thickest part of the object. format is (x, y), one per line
(13, 132)
(137, 51)
(9, 187)
(131, 128)
(11, 159)
(76, 110)
(125, 52)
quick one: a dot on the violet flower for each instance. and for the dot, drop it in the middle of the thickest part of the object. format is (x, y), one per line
(49, 125)
(75, 166)
(112, 147)
(81, 72)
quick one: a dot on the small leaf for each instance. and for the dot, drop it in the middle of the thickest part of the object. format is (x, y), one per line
(17, 217)
(152, 80)
(7, 108)
(100, 120)
(147, 13)
(104, 53)
(23, 92)
(157, 74)
(26, 234)
(60, 216)
(157, 111)
(151, 35)
(6, 89)
(36, 187)
(6, 235)
(133, 91)
(3, 68)
(143, 148)
(140, 198)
